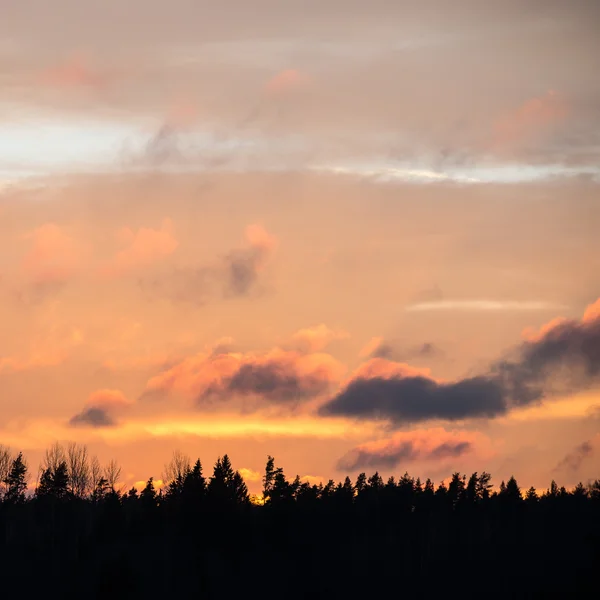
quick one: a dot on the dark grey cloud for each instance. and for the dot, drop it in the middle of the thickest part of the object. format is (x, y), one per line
(415, 399)
(567, 358)
(389, 457)
(573, 460)
(92, 417)
(564, 359)
(273, 381)
(242, 269)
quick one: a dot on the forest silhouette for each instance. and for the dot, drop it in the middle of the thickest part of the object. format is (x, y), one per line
(76, 532)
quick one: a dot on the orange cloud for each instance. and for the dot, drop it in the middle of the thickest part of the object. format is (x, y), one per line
(142, 247)
(370, 347)
(277, 376)
(258, 237)
(250, 475)
(137, 362)
(529, 120)
(530, 334)
(140, 485)
(54, 256)
(592, 312)
(312, 479)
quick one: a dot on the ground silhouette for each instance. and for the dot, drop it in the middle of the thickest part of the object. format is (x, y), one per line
(77, 534)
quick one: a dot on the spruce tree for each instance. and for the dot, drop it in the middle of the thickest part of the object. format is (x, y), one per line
(16, 481)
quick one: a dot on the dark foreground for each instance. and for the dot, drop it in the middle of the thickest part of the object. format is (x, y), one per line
(205, 539)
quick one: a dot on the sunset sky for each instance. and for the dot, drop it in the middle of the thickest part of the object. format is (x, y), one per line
(357, 236)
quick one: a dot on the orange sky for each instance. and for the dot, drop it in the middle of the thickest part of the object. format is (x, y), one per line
(350, 240)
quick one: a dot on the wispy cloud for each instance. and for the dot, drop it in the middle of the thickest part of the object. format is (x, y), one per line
(484, 305)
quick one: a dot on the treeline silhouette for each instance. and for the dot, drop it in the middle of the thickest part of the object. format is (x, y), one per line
(79, 534)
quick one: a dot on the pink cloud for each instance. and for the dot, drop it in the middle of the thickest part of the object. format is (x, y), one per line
(432, 445)
(533, 118)
(286, 81)
(182, 113)
(72, 73)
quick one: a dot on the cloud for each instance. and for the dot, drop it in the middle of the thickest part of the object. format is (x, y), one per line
(101, 409)
(482, 305)
(235, 275)
(574, 459)
(54, 257)
(49, 350)
(427, 349)
(316, 338)
(92, 417)
(72, 73)
(275, 380)
(411, 399)
(250, 475)
(369, 350)
(286, 81)
(381, 367)
(378, 347)
(406, 447)
(142, 248)
(592, 312)
(565, 354)
(275, 377)
(534, 118)
(312, 479)
(243, 266)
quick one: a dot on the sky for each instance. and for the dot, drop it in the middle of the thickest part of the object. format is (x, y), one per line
(354, 236)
